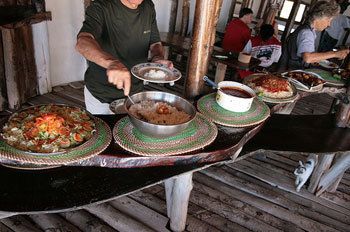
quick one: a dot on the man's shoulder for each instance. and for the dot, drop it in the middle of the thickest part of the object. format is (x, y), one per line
(307, 33)
(148, 2)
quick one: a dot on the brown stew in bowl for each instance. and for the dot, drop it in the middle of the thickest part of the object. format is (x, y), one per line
(237, 92)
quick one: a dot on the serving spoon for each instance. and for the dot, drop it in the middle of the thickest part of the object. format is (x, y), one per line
(210, 82)
(132, 101)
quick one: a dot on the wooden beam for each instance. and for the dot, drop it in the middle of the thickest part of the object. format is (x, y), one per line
(322, 165)
(245, 3)
(231, 11)
(331, 175)
(261, 9)
(173, 16)
(3, 95)
(178, 191)
(36, 18)
(343, 113)
(185, 17)
(291, 20)
(20, 68)
(204, 24)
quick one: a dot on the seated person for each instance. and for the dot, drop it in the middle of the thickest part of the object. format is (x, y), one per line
(298, 51)
(265, 46)
(237, 32)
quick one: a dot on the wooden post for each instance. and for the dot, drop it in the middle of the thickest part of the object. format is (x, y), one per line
(173, 16)
(261, 7)
(2, 78)
(322, 165)
(10, 69)
(185, 17)
(245, 3)
(178, 190)
(343, 113)
(204, 24)
(20, 68)
(331, 175)
(291, 20)
(217, 9)
(232, 11)
(42, 57)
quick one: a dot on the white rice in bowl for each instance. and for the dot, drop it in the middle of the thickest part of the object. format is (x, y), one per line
(155, 74)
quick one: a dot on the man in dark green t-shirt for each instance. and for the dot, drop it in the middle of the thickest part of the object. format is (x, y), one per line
(115, 36)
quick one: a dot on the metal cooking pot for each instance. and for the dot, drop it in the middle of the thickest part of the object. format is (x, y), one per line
(155, 130)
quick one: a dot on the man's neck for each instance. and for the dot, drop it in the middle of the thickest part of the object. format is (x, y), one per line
(129, 5)
(243, 20)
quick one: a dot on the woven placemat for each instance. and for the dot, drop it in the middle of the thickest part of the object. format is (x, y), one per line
(257, 113)
(98, 143)
(200, 133)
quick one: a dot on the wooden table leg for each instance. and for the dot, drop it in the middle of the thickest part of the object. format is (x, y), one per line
(178, 191)
(330, 176)
(323, 163)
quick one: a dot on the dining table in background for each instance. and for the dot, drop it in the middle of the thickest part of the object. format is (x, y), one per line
(220, 59)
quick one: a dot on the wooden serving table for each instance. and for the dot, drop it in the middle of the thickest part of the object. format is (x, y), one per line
(115, 173)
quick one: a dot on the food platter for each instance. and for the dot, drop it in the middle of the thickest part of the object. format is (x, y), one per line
(329, 77)
(274, 100)
(99, 140)
(156, 73)
(328, 64)
(305, 81)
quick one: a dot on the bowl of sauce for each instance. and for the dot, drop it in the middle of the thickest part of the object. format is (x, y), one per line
(234, 96)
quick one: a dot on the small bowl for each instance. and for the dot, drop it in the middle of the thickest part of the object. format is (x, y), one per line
(240, 99)
(156, 130)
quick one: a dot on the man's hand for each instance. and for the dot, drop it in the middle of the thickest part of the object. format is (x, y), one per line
(120, 76)
(341, 54)
(165, 62)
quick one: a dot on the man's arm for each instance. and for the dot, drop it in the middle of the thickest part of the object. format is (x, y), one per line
(312, 57)
(117, 73)
(157, 54)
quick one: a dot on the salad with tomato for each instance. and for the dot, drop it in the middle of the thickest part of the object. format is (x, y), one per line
(48, 128)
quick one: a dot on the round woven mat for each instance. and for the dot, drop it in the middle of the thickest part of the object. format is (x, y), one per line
(98, 143)
(200, 133)
(208, 106)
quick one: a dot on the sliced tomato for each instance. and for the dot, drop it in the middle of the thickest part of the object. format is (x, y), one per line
(64, 131)
(84, 116)
(64, 142)
(77, 137)
(32, 133)
(87, 126)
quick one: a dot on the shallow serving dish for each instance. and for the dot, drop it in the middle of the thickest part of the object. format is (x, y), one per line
(156, 130)
(240, 101)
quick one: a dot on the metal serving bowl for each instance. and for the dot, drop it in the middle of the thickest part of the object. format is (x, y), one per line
(155, 130)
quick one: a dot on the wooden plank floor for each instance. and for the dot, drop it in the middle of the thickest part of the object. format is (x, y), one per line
(255, 194)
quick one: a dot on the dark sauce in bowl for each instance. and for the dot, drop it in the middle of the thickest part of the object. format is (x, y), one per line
(235, 91)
